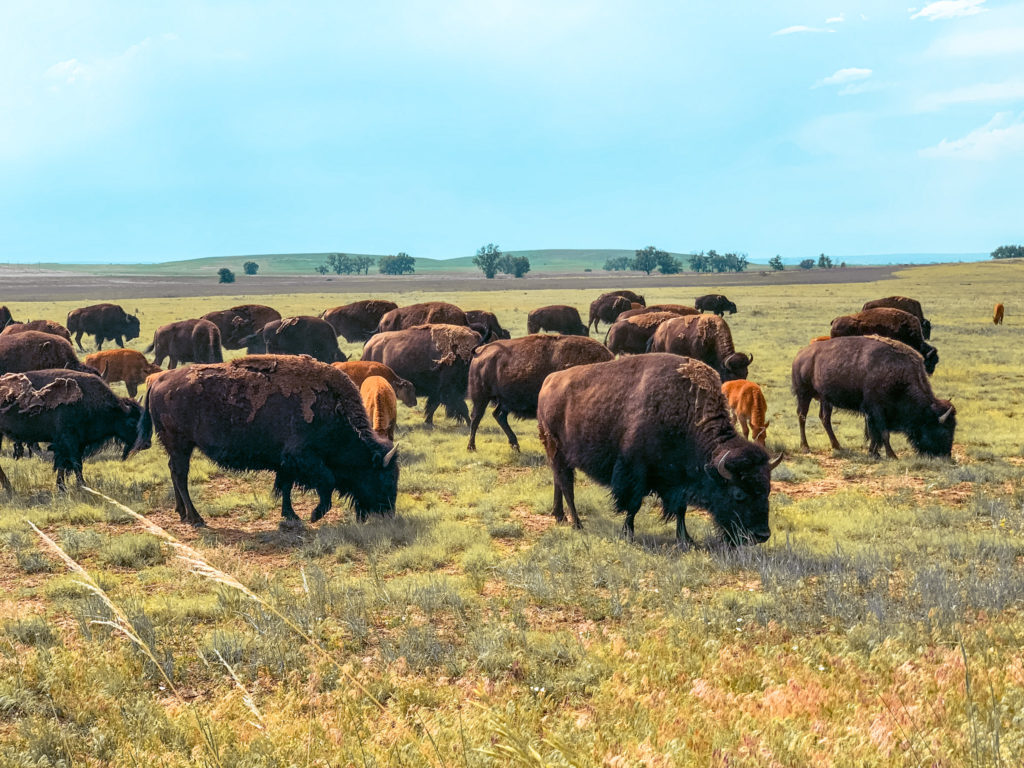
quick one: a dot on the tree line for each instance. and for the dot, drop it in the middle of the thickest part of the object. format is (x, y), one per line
(344, 264)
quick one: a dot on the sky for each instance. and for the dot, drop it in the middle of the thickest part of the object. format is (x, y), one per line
(154, 131)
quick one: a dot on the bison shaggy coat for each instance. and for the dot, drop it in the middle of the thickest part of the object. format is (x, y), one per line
(883, 379)
(43, 326)
(706, 338)
(36, 351)
(510, 374)
(302, 335)
(238, 323)
(380, 404)
(715, 303)
(891, 323)
(186, 341)
(913, 306)
(558, 318)
(293, 416)
(357, 321)
(630, 336)
(748, 408)
(607, 308)
(432, 312)
(654, 424)
(125, 365)
(360, 370)
(103, 321)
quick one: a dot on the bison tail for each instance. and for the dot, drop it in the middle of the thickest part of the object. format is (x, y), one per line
(150, 348)
(144, 432)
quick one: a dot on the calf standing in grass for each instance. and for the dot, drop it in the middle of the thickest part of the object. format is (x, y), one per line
(748, 407)
(997, 314)
(125, 365)
(381, 405)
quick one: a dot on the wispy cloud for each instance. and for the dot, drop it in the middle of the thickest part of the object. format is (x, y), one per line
(949, 9)
(1008, 91)
(844, 76)
(74, 71)
(836, 19)
(989, 42)
(1001, 136)
(797, 29)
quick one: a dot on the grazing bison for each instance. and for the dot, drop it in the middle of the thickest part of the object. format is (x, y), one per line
(186, 341)
(881, 378)
(510, 373)
(479, 318)
(103, 321)
(125, 365)
(360, 370)
(891, 323)
(655, 424)
(357, 321)
(5, 317)
(36, 351)
(677, 309)
(435, 358)
(302, 335)
(43, 326)
(75, 412)
(607, 308)
(290, 415)
(433, 312)
(706, 338)
(380, 404)
(558, 318)
(630, 336)
(748, 408)
(634, 298)
(997, 314)
(913, 306)
(715, 303)
(238, 323)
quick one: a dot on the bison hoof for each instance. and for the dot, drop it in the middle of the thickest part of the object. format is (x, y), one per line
(514, 447)
(290, 524)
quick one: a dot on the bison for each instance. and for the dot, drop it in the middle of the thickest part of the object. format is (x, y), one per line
(432, 312)
(630, 336)
(360, 370)
(43, 326)
(35, 351)
(881, 378)
(558, 318)
(510, 373)
(891, 323)
(607, 308)
(715, 303)
(913, 306)
(705, 337)
(748, 408)
(301, 335)
(104, 322)
(678, 309)
(186, 341)
(5, 317)
(655, 424)
(380, 404)
(435, 358)
(74, 411)
(997, 314)
(125, 365)
(357, 321)
(479, 319)
(634, 298)
(240, 322)
(290, 415)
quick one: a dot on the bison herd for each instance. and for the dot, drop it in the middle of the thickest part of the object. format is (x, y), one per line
(653, 409)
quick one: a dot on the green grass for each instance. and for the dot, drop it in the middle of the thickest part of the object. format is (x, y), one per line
(881, 624)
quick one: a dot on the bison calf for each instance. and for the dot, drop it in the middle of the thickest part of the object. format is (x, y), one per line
(125, 365)
(380, 404)
(187, 341)
(997, 314)
(360, 370)
(749, 409)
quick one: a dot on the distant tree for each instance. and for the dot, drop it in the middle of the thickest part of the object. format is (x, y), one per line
(618, 264)
(517, 266)
(807, 264)
(322, 269)
(250, 267)
(488, 258)
(1008, 252)
(399, 264)
(824, 262)
(340, 263)
(362, 264)
(669, 264)
(647, 259)
(701, 262)
(225, 275)
(776, 263)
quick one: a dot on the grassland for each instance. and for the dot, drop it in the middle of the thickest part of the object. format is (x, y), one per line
(881, 625)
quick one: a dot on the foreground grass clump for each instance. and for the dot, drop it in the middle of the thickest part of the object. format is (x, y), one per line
(880, 625)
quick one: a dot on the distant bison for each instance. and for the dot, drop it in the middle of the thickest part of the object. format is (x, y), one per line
(433, 312)
(360, 370)
(75, 412)
(302, 335)
(103, 321)
(479, 318)
(435, 358)
(706, 338)
(125, 365)
(357, 321)
(631, 335)
(607, 308)
(240, 322)
(748, 408)
(997, 314)
(510, 373)
(891, 323)
(43, 326)
(5, 317)
(290, 415)
(677, 309)
(36, 351)
(381, 405)
(715, 303)
(186, 341)
(654, 424)
(558, 318)
(913, 306)
(883, 379)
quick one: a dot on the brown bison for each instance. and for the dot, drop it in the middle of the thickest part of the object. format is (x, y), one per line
(510, 373)
(706, 338)
(655, 424)
(607, 308)
(479, 319)
(715, 303)
(103, 321)
(43, 326)
(357, 321)
(5, 317)
(913, 306)
(432, 312)
(883, 379)
(290, 415)
(360, 370)
(36, 351)
(186, 341)
(677, 309)
(75, 412)
(435, 358)
(997, 314)
(634, 298)
(630, 336)
(891, 323)
(748, 408)
(380, 404)
(240, 322)
(558, 318)
(302, 335)
(125, 365)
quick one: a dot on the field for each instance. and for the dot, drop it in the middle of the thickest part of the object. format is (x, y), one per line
(881, 625)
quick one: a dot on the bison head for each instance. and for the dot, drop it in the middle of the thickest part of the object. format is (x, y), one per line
(933, 435)
(131, 327)
(736, 492)
(737, 366)
(729, 307)
(376, 491)
(931, 358)
(126, 425)
(405, 391)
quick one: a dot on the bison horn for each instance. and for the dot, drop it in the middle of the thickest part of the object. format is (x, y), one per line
(390, 455)
(750, 358)
(946, 415)
(720, 467)
(776, 461)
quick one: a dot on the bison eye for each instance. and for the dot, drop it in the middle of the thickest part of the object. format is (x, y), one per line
(738, 493)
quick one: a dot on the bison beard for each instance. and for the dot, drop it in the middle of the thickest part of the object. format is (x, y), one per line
(654, 424)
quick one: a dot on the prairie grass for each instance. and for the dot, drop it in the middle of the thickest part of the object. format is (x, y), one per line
(881, 624)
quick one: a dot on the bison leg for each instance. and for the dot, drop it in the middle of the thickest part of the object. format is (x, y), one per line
(4, 482)
(78, 340)
(673, 505)
(133, 388)
(875, 423)
(455, 408)
(99, 341)
(172, 364)
(120, 341)
(803, 405)
(627, 493)
(501, 416)
(179, 462)
(745, 426)
(428, 410)
(283, 483)
(479, 409)
(825, 414)
(565, 482)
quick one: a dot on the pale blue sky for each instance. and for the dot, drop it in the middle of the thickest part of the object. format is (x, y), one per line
(136, 133)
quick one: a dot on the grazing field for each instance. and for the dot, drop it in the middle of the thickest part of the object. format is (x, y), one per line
(881, 625)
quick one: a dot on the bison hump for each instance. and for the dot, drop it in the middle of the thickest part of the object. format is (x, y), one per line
(17, 394)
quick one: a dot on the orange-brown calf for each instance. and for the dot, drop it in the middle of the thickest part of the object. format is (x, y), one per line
(997, 314)
(381, 405)
(359, 370)
(748, 408)
(125, 365)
